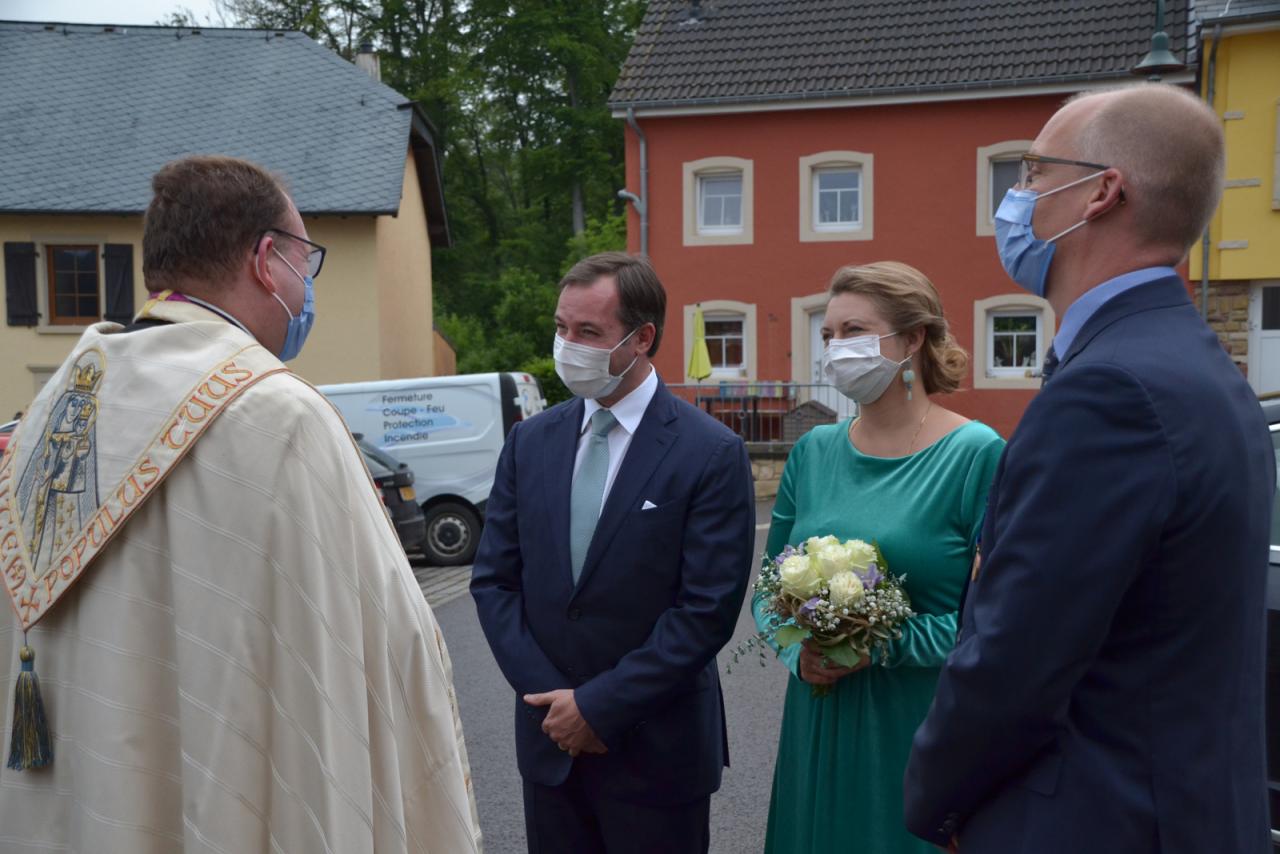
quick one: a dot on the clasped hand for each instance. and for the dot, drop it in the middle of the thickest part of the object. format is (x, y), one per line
(817, 669)
(564, 724)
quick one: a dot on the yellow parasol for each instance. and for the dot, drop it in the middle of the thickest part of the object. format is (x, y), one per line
(699, 358)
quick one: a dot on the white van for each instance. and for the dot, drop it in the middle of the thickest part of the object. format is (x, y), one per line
(449, 430)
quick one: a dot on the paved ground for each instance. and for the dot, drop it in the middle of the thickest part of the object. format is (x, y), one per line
(753, 700)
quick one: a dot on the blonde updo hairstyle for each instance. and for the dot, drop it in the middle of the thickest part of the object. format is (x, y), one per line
(908, 300)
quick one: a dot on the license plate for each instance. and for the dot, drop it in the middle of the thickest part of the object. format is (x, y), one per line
(406, 492)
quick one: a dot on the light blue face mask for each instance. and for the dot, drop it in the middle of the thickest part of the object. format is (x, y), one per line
(300, 325)
(1025, 257)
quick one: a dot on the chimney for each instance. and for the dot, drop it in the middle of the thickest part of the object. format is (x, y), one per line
(367, 60)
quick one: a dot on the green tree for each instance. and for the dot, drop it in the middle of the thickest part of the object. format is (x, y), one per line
(517, 93)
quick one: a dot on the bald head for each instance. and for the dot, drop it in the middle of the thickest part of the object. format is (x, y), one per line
(1168, 146)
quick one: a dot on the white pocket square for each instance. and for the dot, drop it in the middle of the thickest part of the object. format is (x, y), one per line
(648, 505)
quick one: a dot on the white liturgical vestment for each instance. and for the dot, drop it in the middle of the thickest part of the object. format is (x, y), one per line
(245, 663)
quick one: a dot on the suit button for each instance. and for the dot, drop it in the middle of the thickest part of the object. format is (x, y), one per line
(574, 613)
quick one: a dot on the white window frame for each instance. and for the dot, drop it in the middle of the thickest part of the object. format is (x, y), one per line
(692, 172)
(703, 226)
(724, 309)
(816, 212)
(1040, 346)
(814, 164)
(1010, 149)
(730, 317)
(984, 312)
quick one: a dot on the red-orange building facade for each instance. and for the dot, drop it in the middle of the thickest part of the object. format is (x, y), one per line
(921, 166)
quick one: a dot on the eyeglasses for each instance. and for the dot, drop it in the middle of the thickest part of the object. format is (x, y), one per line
(1033, 161)
(315, 254)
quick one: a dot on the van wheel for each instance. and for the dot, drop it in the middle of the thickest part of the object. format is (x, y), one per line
(453, 534)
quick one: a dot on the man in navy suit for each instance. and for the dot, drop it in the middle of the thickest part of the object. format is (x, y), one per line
(1106, 690)
(617, 548)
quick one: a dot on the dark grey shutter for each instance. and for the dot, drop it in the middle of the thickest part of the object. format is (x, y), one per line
(118, 258)
(20, 284)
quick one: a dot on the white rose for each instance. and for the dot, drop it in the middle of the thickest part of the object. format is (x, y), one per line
(832, 560)
(846, 589)
(813, 545)
(861, 554)
(799, 577)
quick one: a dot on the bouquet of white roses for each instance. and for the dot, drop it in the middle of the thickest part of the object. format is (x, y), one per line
(840, 594)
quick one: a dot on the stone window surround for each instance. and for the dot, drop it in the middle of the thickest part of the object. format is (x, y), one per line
(691, 171)
(982, 309)
(802, 308)
(987, 153)
(749, 335)
(865, 164)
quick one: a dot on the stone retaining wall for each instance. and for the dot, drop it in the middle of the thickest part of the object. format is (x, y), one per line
(1229, 317)
(767, 460)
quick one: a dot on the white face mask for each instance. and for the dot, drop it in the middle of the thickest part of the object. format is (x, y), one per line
(585, 370)
(856, 368)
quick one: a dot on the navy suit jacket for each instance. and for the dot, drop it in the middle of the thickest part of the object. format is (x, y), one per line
(1106, 690)
(659, 595)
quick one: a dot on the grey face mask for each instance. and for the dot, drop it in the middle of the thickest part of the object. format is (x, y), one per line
(856, 368)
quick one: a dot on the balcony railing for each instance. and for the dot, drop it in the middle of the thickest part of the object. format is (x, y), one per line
(768, 410)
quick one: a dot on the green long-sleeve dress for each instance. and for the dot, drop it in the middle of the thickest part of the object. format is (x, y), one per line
(837, 784)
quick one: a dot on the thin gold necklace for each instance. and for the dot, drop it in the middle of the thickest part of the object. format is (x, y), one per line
(919, 427)
(916, 435)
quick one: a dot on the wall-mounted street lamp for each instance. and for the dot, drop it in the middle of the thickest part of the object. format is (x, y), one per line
(1159, 61)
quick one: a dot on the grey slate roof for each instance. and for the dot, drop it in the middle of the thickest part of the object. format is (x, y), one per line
(1236, 11)
(764, 50)
(89, 113)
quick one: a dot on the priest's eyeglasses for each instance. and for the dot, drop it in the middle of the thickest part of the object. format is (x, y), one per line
(1029, 166)
(315, 252)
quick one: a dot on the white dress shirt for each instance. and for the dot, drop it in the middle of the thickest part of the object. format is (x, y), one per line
(629, 411)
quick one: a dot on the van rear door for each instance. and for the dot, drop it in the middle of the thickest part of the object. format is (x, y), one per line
(521, 399)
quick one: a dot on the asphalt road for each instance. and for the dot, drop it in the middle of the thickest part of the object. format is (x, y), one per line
(753, 701)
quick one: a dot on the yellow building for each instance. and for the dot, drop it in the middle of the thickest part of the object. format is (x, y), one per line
(92, 112)
(1240, 60)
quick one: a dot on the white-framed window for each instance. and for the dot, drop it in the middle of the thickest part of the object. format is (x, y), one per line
(1014, 342)
(726, 341)
(836, 196)
(1011, 334)
(997, 171)
(718, 201)
(730, 328)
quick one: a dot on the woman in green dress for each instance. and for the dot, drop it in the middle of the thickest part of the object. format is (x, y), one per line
(913, 477)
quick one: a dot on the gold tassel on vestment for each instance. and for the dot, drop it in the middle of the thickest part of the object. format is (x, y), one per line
(31, 745)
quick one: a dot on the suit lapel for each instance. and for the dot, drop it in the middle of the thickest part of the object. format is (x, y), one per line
(558, 457)
(1158, 293)
(648, 447)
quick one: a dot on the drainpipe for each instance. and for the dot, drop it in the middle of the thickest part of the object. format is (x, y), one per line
(640, 202)
(1204, 244)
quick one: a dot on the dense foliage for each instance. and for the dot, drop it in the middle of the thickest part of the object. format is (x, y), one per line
(516, 91)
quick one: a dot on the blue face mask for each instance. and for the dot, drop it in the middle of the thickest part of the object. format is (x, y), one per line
(1025, 257)
(300, 325)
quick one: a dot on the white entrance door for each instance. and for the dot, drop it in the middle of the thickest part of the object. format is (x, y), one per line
(824, 394)
(1264, 346)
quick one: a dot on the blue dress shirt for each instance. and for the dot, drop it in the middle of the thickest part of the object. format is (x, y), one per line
(1079, 312)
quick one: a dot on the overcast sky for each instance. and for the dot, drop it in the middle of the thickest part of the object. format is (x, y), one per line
(102, 11)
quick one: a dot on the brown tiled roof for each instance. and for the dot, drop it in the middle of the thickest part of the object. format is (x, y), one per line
(765, 50)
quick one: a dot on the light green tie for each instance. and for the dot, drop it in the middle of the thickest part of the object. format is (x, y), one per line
(588, 489)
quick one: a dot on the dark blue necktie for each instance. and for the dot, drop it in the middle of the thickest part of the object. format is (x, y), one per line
(1050, 365)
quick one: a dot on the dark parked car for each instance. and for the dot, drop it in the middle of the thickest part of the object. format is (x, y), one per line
(395, 483)
(1272, 409)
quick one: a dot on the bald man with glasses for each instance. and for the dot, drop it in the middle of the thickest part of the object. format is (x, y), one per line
(1105, 694)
